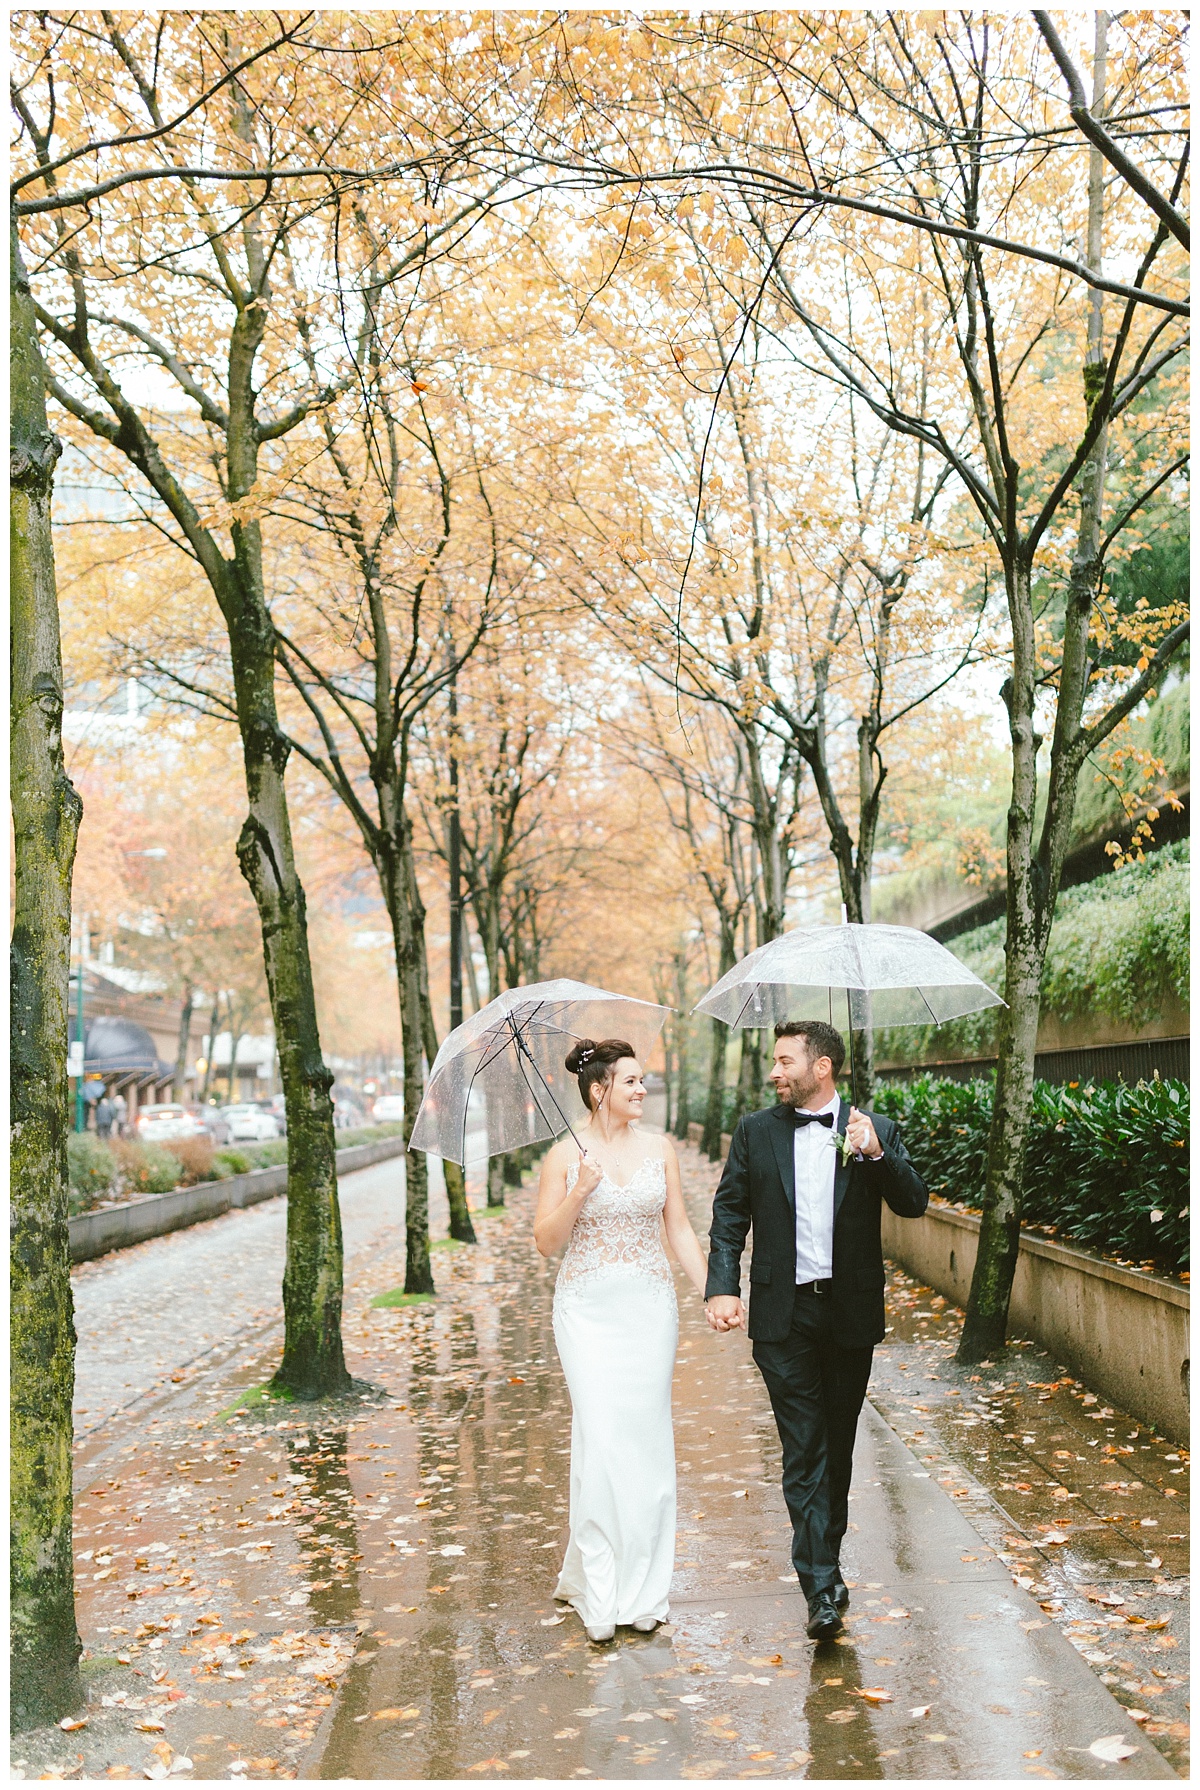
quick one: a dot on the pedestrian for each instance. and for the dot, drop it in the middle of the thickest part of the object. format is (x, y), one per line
(106, 1112)
(809, 1176)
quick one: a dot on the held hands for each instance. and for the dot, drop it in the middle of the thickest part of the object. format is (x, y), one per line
(860, 1134)
(725, 1312)
(588, 1178)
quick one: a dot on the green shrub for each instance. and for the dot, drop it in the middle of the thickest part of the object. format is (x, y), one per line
(146, 1168)
(231, 1161)
(368, 1134)
(1101, 1159)
(1118, 947)
(91, 1171)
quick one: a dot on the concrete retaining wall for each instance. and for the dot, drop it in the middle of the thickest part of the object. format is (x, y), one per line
(1124, 1332)
(95, 1233)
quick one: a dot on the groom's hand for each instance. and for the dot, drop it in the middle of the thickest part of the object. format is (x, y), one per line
(724, 1312)
(860, 1135)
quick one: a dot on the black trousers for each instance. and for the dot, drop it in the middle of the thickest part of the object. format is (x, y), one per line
(816, 1388)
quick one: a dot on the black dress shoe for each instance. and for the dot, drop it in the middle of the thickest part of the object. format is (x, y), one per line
(824, 1620)
(841, 1597)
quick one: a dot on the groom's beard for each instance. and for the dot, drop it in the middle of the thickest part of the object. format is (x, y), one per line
(797, 1088)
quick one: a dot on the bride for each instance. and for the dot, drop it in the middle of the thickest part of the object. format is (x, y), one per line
(616, 1325)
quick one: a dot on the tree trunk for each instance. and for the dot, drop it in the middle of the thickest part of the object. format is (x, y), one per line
(418, 1274)
(750, 1075)
(46, 810)
(489, 936)
(185, 1037)
(683, 1105)
(235, 1038)
(495, 1180)
(714, 1113)
(213, 1023)
(454, 1174)
(999, 1236)
(313, 1363)
(461, 1228)
(1033, 875)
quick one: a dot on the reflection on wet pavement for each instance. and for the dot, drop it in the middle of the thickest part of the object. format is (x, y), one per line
(1087, 1508)
(948, 1669)
(236, 1562)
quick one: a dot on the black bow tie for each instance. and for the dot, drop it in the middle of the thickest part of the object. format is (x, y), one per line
(803, 1118)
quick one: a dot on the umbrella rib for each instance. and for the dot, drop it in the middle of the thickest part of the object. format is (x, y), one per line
(933, 1016)
(523, 1050)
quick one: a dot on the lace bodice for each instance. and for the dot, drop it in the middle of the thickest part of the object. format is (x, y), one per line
(619, 1228)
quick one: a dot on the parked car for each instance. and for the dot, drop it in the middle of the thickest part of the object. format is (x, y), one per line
(249, 1124)
(157, 1124)
(388, 1106)
(277, 1106)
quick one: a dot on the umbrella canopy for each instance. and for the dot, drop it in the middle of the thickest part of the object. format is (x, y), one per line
(513, 1052)
(885, 975)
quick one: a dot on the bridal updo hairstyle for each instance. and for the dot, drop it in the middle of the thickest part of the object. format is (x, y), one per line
(592, 1065)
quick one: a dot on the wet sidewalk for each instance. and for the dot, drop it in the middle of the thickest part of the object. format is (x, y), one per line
(364, 1591)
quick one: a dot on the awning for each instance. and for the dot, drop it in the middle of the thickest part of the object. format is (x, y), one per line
(119, 1047)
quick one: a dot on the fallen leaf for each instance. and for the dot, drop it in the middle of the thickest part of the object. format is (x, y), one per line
(921, 1709)
(150, 1726)
(513, 1380)
(71, 1724)
(396, 1715)
(566, 1734)
(551, 1621)
(876, 1696)
(490, 1716)
(841, 1715)
(1112, 1748)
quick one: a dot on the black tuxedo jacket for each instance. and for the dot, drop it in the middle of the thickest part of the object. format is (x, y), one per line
(758, 1188)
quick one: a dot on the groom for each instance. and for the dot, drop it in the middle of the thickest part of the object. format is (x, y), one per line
(809, 1176)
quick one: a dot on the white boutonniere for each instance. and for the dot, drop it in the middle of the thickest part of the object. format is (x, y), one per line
(841, 1142)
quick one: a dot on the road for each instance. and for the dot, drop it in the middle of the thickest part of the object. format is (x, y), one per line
(148, 1315)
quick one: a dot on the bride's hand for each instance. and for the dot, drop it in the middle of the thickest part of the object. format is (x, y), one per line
(588, 1178)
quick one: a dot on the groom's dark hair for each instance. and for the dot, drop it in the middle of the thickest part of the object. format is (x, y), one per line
(820, 1039)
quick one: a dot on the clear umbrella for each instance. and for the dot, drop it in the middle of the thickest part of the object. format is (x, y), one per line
(513, 1052)
(885, 975)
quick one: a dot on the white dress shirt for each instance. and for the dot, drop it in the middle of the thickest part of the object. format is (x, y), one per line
(815, 1158)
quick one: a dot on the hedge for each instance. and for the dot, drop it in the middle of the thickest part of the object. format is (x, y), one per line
(1107, 1164)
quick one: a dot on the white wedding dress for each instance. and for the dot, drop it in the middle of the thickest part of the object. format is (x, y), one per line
(616, 1325)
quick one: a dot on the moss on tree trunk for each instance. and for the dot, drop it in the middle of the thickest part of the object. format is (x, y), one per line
(46, 811)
